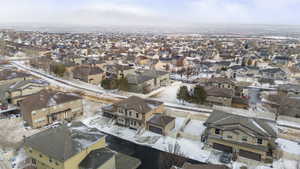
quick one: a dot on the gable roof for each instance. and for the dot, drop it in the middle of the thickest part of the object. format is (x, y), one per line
(138, 104)
(63, 142)
(161, 120)
(96, 158)
(8, 74)
(17, 85)
(252, 126)
(46, 98)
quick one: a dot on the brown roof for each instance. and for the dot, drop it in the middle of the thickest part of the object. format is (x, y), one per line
(219, 92)
(9, 74)
(220, 80)
(138, 104)
(86, 70)
(46, 98)
(161, 120)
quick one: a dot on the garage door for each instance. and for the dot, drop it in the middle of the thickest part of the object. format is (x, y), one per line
(155, 129)
(222, 147)
(250, 155)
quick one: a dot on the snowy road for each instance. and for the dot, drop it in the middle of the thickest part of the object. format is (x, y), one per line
(87, 88)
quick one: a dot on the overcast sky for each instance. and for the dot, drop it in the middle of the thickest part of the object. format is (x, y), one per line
(150, 12)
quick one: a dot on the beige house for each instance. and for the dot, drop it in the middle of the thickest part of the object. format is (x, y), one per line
(146, 81)
(52, 106)
(88, 74)
(133, 112)
(18, 91)
(74, 147)
(161, 124)
(243, 136)
(219, 96)
(8, 76)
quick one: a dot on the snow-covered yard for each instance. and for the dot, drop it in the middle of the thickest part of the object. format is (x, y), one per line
(289, 146)
(189, 148)
(12, 132)
(194, 127)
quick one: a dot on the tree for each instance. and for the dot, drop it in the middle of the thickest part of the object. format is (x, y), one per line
(183, 94)
(123, 84)
(59, 69)
(109, 84)
(174, 157)
(199, 94)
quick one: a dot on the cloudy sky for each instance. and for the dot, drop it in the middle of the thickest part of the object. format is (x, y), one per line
(150, 12)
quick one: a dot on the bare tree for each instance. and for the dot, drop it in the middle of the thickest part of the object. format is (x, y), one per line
(174, 157)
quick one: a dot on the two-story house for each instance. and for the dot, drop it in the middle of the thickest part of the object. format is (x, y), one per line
(219, 96)
(133, 112)
(220, 82)
(244, 136)
(8, 76)
(48, 106)
(146, 81)
(18, 91)
(88, 74)
(75, 146)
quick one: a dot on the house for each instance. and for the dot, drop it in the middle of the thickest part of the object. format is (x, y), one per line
(74, 147)
(146, 81)
(133, 112)
(273, 73)
(283, 105)
(289, 89)
(18, 91)
(219, 96)
(118, 71)
(88, 74)
(220, 82)
(8, 76)
(244, 136)
(161, 124)
(187, 165)
(52, 106)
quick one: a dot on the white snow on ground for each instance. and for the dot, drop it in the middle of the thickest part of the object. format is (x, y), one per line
(190, 149)
(289, 146)
(288, 123)
(19, 160)
(178, 123)
(195, 127)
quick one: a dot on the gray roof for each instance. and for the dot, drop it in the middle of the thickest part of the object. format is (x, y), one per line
(17, 85)
(8, 74)
(63, 142)
(201, 166)
(96, 158)
(252, 126)
(137, 78)
(124, 161)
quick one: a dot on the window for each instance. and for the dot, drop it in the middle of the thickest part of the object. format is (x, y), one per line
(217, 131)
(50, 160)
(259, 141)
(33, 161)
(41, 155)
(137, 115)
(244, 138)
(229, 136)
(56, 163)
(30, 151)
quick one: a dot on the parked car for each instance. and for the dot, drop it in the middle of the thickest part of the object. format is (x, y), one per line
(3, 107)
(226, 158)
